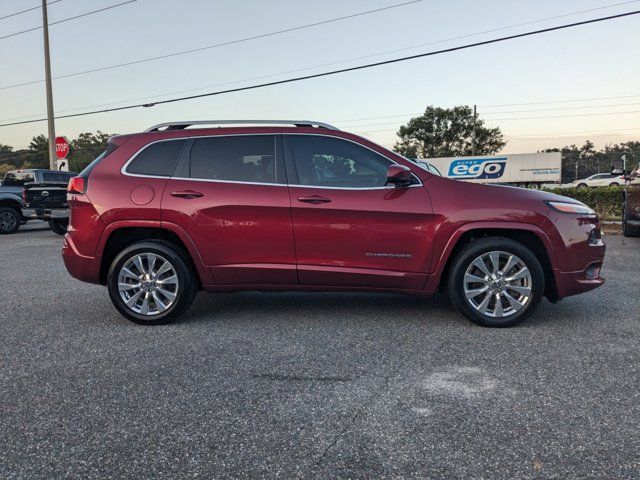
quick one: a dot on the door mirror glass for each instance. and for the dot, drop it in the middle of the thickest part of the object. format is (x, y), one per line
(399, 175)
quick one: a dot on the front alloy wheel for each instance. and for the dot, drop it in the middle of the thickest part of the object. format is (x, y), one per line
(497, 284)
(151, 282)
(496, 281)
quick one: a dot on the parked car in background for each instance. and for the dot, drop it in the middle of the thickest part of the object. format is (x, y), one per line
(46, 199)
(299, 205)
(600, 180)
(631, 205)
(11, 200)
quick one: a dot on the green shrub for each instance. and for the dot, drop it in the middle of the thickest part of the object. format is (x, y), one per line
(606, 201)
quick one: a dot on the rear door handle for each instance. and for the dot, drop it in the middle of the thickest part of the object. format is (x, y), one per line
(188, 194)
(315, 199)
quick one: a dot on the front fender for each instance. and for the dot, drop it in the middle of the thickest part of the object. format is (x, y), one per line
(441, 259)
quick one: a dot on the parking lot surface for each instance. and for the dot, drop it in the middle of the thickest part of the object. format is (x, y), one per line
(313, 385)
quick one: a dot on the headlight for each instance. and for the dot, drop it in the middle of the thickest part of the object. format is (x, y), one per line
(566, 207)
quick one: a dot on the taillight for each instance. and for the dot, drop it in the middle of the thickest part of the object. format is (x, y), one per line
(76, 185)
(24, 195)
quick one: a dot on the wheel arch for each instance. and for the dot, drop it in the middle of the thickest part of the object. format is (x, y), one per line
(530, 236)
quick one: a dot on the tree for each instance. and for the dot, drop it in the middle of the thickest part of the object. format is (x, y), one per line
(85, 148)
(38, 153)
(447, 132)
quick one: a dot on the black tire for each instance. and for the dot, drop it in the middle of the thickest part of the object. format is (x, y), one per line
(614, 184)
(628, 230)
(59, 226)
(186, 288)
(476, 249)
(582, 185)
(10, 220)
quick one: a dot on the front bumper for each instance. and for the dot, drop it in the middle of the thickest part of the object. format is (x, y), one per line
(45, 213)
(80, 266)
(585, 279)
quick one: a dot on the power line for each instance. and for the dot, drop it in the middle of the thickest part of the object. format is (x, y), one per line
(563, 108)
(149, 59)
(28, 10)
(67, 20)
(222, 44)
(561, 116)
(559, 101)
(344, 70)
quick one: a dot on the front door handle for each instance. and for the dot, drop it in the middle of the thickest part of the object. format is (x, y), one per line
(188, 194)
(315, 199)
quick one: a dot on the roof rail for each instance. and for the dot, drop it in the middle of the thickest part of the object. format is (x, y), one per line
(184, 125)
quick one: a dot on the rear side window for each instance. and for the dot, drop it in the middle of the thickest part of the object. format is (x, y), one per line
(158, 159)
(242, 158)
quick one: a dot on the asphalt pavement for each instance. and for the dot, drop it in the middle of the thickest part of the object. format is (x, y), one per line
(313, 385)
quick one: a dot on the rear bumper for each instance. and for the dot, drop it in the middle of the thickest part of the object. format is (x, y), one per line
(45, 213)
(80, 266)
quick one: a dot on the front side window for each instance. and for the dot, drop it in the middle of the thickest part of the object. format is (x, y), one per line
(157, 160)
(241, 158)
(333, 162)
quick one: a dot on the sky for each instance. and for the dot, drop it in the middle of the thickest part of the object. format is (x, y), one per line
(518, 85)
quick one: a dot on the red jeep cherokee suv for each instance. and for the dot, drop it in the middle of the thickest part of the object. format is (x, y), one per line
(299, 205)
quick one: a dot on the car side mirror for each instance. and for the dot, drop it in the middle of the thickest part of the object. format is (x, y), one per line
(399, 176)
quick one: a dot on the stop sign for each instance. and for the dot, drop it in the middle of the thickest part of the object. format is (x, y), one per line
(62, 147)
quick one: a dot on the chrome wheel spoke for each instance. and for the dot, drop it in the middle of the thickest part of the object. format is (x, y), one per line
(484, 305)
(469, 278)
(137, 260)
(522, 273)
(171, 296)
(511, 262)
(159, 303)
(515, 304)
(166, 266)
(144, 308)
(124, 287)
(497, 310)
(133, 299)
(479, 263)
(151, 261)
(526, 291)
(495, 261)
(173, 279)
(474, 293)
(128, 273)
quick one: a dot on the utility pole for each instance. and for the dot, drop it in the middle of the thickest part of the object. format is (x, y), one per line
(473, 138)
(47, 68)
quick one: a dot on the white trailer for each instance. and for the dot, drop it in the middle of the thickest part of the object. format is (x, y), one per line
(514, 169)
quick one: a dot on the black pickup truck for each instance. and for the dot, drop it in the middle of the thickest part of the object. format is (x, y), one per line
(46, 199)
(34, 194)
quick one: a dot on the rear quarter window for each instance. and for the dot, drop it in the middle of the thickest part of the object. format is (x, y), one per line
(157, 159)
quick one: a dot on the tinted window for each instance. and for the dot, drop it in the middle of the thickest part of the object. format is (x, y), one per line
(61, 177)
(18, 179)
(244, 158)
(331, 162)
(158, 159)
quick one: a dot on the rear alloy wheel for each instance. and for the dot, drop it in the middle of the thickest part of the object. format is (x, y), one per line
(496, 282)
(59, 226)
(9, 220)
(150, 283)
